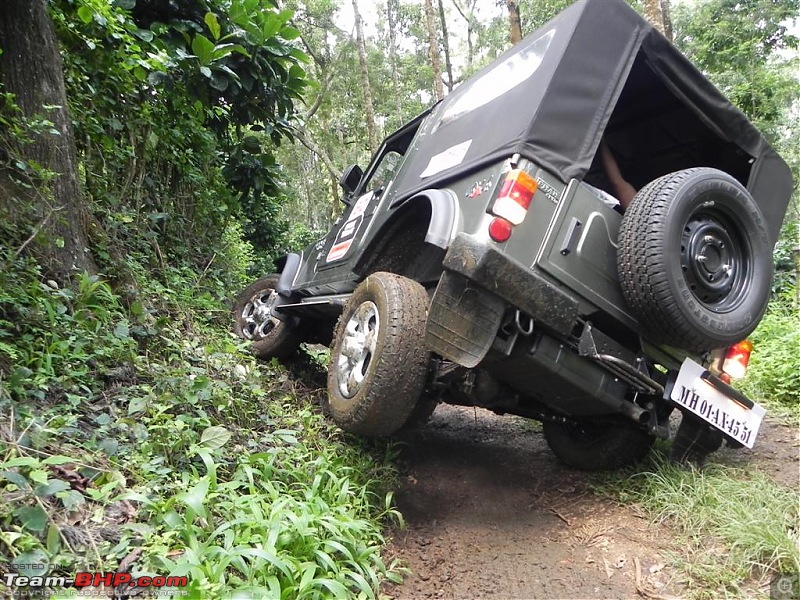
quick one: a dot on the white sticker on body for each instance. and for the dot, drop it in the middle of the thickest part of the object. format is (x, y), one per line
(451, 157)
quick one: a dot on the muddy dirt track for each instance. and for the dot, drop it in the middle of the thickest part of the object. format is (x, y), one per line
(491, 514)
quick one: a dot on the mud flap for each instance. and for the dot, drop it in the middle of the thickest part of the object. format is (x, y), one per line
(463, 320)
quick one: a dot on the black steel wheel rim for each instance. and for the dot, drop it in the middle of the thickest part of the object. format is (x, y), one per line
(714, 260)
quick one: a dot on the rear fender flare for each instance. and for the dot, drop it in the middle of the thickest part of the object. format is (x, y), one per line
(444, 214)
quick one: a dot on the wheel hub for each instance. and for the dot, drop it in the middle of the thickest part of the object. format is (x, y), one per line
(257, 320)
(709, 260)
(359, 341)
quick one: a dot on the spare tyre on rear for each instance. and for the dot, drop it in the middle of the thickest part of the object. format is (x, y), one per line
(694, 260)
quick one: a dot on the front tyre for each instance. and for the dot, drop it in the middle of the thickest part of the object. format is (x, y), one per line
(253, 320)
(379, 361)
(601, 446)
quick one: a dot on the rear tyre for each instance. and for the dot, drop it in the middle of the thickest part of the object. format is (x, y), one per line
(694, 260)
(601, 446)
(379, 361)
(253, 320)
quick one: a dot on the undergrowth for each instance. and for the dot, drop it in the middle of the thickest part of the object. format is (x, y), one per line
(739, 527)
(145, 436)
(772, 375)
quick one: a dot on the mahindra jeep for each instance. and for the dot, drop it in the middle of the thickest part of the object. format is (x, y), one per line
(480, 262)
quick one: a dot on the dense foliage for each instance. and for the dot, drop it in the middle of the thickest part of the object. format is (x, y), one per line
(150, 434)
(181, 106)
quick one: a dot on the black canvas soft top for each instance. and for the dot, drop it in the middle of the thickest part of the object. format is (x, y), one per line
(596, 69)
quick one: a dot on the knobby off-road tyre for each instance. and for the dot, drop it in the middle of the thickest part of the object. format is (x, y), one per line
(270, 337)
(597, 447)
(379, 361)
(694, 260)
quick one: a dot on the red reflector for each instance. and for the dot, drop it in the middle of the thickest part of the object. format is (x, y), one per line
(500, 229)
(737, 358)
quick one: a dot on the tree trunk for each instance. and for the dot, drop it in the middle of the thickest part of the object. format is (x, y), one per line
(433, 51)
(54, 212)
(666, 18)
(369, 111)
(468, 14)
(392, 9)
(657, 14)
(514, 22)
(448, 64)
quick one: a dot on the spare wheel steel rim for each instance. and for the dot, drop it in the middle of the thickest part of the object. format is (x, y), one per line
(714, 261)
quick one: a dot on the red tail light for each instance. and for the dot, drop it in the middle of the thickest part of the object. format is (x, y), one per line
(515, 197)
(736, 359)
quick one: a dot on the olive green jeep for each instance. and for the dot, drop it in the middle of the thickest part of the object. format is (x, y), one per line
(483, 260)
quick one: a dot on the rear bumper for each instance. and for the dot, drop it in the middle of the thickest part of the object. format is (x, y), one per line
(520, 286)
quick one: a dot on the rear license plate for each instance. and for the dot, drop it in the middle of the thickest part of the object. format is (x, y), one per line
(712, 405)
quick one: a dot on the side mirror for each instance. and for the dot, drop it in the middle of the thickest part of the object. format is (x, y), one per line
(350, 179)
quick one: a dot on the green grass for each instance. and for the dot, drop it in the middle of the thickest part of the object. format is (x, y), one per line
(739, 526)
(152, 433)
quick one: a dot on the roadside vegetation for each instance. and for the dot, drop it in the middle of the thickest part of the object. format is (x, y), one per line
(736, 527)
(150, 436)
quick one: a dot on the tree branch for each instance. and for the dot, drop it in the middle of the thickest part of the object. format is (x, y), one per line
(323, 156)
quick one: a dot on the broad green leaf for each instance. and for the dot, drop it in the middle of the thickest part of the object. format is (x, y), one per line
(32, 518)
(71, 499)
(20, 461)
(173, 519)
(203, 49)
(271, 558)
(215, 437)
(53, 540)
(31, 564)
(196, 497)
(85, 14)
(38, 476)
(122, 330)
(137, 405)
(290, 33)
(306, 580)
(336, 589)
(218, 82)
(51, 487)
(17, 479)
(144, 34)
(137, 497)
(213, 24)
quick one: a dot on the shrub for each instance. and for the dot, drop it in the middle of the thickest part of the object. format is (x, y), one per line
(773, 374)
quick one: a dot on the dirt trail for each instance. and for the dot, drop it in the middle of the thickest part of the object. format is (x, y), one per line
(491, 514)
